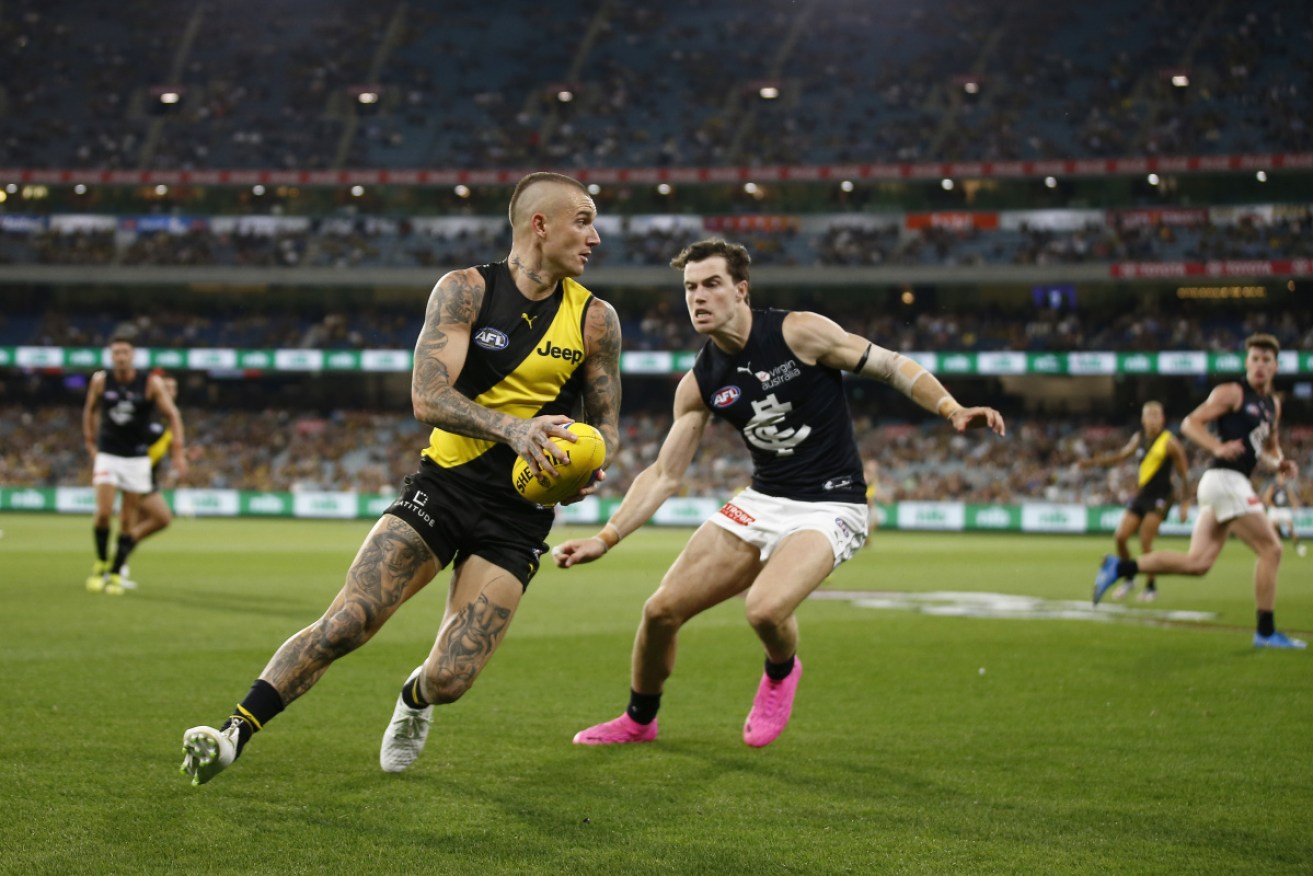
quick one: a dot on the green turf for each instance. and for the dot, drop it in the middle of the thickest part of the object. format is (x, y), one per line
(1082, 747)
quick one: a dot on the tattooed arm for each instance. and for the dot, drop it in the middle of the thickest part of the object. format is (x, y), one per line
(439, 357)
(602, 373)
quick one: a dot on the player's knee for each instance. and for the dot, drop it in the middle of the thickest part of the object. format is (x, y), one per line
(661, 612)
(1272, 551)
(764, 613)
(342, 632)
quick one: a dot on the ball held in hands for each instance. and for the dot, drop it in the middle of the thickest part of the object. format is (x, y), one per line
(576, 464)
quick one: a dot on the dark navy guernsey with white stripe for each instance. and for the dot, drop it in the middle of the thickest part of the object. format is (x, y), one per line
(793, 417)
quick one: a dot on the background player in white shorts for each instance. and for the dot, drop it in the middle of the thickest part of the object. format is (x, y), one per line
(776, 376)
(1282, 501)
(1246, 416)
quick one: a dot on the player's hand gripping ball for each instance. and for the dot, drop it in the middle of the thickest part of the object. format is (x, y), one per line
(576, 463)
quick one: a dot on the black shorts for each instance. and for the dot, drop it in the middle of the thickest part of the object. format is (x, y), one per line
(1148, 502)
(455, 524)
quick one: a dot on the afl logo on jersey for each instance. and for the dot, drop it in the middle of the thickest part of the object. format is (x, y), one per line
(726, 396)
(491, 339)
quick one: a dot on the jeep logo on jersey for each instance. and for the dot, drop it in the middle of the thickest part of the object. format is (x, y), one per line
(491, 339)
(726, 396)
(552, 351)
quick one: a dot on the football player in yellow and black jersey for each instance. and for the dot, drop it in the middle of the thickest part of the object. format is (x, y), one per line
(1246, 415)
(776, 376)
(508, 355)
(1159, 453)
(124, 401)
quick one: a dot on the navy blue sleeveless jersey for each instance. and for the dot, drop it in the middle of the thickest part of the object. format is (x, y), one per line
(1251, 423)
(125, 414)
(793, 417)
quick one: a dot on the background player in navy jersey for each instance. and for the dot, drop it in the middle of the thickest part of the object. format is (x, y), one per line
(151, 510)
(776, 376)
(1247, 416)
(1159, 453)
(508, 354)
(123, 400)
(1282, 502)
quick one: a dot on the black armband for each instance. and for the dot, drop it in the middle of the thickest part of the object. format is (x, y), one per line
(861, 363)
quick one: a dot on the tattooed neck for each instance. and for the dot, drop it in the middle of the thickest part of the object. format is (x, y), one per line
(536, 276)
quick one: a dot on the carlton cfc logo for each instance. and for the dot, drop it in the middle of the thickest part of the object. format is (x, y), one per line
(726, 396)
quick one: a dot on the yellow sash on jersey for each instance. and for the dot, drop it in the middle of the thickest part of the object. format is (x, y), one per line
(535, 382)
(1154, 458)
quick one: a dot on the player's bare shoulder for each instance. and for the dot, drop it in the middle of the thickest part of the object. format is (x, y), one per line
(456, 298)
(812, 336)
(602, 330)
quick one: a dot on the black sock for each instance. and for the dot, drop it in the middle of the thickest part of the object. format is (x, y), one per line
(410, 693)
(1127, 569)
(1150, 586)
(102, 543)
(779, 671)
(125, 546)
(1267, 623)
(643, 707)
(262, 703)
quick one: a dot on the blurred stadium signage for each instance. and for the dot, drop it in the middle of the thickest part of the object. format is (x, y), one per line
(992, 363)
(1035, 517)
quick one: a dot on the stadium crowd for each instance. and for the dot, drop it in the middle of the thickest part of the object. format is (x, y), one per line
(347, 83)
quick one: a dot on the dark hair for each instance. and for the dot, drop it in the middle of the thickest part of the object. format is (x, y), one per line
(736, 257)
(122, 338)
(541, 176)
(1263, 342)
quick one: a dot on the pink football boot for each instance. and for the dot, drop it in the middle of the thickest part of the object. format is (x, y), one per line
(771, 708)
(618, 732)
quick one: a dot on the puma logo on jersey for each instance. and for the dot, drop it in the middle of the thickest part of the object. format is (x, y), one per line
(551, 351)
(763, 376)
(529, 319)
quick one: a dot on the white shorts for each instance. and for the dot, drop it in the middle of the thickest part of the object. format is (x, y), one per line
(1281, 516)
(1228, 493)
(131, 474)
(764, 521)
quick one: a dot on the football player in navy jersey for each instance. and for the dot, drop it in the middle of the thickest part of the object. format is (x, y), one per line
(509, 354)
(1246, 416)
(116, 427)
(776, 376)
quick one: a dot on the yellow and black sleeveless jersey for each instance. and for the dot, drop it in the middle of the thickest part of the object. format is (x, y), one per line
(1156, 467)
(163, 436)
(524, 360)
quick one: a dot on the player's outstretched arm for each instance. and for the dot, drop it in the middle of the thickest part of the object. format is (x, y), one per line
(818, 339)
(654, 485)
(1113, 458)
(1223, 399)
(439, 356)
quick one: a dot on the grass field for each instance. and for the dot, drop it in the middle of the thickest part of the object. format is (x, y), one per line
(922, 741)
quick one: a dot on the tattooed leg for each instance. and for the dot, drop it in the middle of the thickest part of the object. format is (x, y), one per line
(392, 565)
(480, 607)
